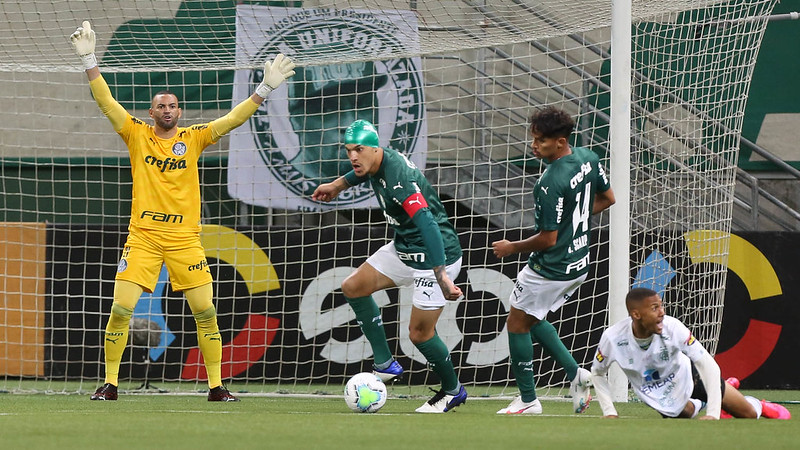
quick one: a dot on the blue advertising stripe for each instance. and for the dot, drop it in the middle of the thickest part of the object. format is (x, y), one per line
(149, 307)
(656, 273)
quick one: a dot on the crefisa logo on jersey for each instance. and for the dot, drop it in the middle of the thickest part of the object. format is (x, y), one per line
(179, 149)
(300, 136)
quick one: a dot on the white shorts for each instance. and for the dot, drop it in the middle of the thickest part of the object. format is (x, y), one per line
(537, 295)
(427, 293)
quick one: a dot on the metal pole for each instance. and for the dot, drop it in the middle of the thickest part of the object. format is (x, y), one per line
(620, 140)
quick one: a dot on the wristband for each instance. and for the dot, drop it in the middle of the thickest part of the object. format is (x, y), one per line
(89, 61)
(263, 90)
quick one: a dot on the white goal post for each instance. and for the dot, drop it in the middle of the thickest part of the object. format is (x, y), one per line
(449, 83)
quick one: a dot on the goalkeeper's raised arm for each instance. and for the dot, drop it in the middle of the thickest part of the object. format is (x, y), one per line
(275, 73)
(83, 41)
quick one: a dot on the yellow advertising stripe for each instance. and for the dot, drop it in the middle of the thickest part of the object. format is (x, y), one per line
(243, 254)
(743, 259)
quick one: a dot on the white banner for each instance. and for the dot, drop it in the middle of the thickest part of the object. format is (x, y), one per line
(294, 142)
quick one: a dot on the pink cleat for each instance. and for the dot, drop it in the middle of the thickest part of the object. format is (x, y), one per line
(724, 415)
(733, 381)
(774, 411)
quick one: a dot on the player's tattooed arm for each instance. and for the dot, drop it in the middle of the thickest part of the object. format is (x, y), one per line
(449, 289)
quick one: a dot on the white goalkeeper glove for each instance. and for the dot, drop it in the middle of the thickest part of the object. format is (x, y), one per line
(83, 42)
(275, 73)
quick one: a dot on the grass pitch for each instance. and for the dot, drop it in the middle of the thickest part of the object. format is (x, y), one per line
(71, 421)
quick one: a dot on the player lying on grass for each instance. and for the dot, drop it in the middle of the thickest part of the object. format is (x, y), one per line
(668, 368)
(165, 211)
(425, 253)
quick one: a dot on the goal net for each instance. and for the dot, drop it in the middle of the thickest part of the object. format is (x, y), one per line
(448, 83)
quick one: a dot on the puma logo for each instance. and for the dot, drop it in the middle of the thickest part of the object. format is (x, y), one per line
(411, 202)
(398, 186)
(113, 337)
(427, 294)
(544, 189)
(527, 366)
(213, 336)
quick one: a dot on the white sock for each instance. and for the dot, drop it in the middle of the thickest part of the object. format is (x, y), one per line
(698, 405)
(756, 405)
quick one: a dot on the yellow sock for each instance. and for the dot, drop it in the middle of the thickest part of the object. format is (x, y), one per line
(116, 338)
(210, 343)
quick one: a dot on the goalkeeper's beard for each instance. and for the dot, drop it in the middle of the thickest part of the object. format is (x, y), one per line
(166, 126)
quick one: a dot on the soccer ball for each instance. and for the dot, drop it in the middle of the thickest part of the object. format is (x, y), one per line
(365, 392)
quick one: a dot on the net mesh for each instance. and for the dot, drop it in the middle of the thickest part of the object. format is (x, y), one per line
(450, 83)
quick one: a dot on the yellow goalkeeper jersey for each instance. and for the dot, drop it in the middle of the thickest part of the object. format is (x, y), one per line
(166, 181)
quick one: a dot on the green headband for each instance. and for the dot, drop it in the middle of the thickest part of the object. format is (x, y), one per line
(361, 132)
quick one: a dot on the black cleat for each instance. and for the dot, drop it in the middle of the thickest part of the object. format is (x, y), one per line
(220, 394)
(105, 392)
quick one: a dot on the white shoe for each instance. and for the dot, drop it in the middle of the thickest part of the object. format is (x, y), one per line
(579, 390)
(517, 406)
(442, 403)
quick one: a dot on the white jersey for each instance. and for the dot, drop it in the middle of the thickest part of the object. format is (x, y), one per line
(661, 375)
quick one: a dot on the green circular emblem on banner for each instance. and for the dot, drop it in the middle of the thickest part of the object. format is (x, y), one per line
(301, 137)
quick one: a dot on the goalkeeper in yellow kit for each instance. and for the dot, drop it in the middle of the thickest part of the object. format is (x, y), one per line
(165, 213)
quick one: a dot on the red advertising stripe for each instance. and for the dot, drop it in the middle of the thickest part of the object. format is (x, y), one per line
(751, 351)
(246, 348)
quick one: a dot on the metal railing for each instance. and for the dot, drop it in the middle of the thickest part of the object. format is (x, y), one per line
(754, 205)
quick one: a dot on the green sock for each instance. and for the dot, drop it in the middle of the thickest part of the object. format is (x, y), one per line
(435, 351)
(369, 319)
(520, 348)
(546, 335)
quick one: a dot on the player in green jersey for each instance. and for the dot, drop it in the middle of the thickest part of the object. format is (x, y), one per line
(572, 188)
(425, 253)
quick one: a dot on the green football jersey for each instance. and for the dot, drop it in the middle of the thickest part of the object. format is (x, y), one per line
(395, 181)
(564, 196)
